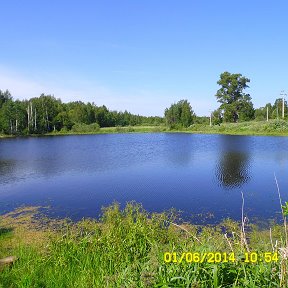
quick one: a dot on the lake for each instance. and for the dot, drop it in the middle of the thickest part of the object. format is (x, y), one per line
(201, 175)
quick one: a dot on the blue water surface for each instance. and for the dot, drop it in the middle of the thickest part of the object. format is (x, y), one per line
(201, 175)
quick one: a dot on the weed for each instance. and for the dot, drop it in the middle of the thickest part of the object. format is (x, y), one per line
(126, 248)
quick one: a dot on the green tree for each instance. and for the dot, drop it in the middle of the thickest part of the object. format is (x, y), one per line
(41, 113)
(278, 107)
(46, 113)
(62, 120)
(78, 112)
(246, 110)
(217, 117)
(261, 113)
(13, 118)
(7, 117)
(4, 97)
(179, 114)
(102, 116)
(234, 102)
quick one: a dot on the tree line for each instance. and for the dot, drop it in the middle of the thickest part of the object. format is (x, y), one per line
(45, 113)
(235, 106)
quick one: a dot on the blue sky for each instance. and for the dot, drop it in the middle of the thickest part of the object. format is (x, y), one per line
(142, 56)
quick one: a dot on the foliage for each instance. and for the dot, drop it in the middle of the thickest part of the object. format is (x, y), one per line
(285, 209)
(272, 127)
(261, 113)
(201, 120)
(217, 117)
(277, 108)
(126, 248)
(236, 105)
(274, 111)
(45, 114)
(12, 117)
(179, 114)
(84, 128)
(5, 96)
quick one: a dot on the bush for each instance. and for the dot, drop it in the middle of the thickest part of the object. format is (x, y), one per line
(80, 128)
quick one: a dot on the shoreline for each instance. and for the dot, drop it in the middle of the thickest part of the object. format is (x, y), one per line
(131, 245)
(157, 129)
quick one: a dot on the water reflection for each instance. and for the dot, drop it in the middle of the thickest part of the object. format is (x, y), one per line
(7, 168)
(232, 170)
(280, 151)
(179, 151)
(76, 175)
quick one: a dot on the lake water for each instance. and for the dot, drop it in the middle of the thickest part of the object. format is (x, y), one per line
(201, 175)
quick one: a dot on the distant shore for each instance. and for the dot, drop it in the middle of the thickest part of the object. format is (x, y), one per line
(256, 128)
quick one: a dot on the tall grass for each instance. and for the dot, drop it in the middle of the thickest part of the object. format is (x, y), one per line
(272, 127)
(126, 248)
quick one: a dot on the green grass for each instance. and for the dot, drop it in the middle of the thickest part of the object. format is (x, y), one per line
(272, 127)
(112, 130)
(135, 129)
(125, 248)
(5, 136)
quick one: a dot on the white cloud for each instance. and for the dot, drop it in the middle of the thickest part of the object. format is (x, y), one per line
(19, 87)
(137, 101)
(23, 87)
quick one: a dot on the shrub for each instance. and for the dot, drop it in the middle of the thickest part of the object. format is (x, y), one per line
(80, 127)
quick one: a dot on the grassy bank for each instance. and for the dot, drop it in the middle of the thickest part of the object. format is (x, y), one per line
(128, 248)
(271, 128)
(5, 136)
(113, 130)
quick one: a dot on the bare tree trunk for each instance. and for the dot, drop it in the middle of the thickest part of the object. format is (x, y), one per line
(31, 114)
(35, 121)
(47, 121)
(28, 118)
(11, 127)
(283, 108)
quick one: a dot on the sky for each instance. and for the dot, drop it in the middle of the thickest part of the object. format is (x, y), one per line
(143, 56)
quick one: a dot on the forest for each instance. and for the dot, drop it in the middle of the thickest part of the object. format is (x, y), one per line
(45, 114)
